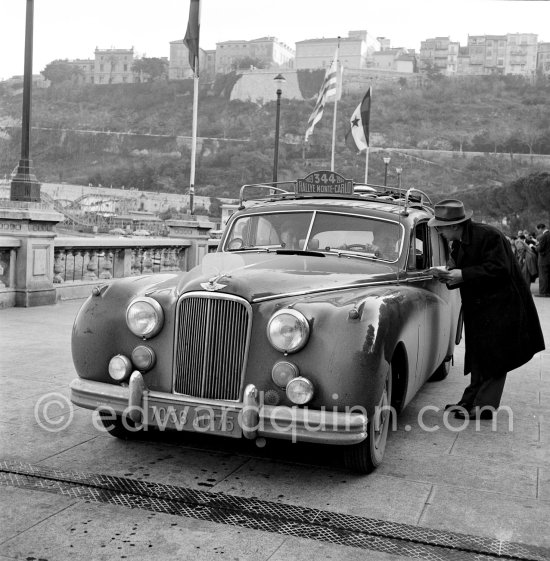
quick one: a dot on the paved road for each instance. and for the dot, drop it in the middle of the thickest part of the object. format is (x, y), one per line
(490, 485)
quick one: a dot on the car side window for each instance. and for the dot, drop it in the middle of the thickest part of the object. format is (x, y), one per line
(420, 254)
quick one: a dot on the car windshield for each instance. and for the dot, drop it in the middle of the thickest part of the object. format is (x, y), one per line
(326, 232)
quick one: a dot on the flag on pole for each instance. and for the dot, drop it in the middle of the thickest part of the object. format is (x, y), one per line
(328, 90)
(359, 125)
(191, 38)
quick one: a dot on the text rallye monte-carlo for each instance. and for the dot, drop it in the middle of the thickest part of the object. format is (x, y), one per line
(316, 320)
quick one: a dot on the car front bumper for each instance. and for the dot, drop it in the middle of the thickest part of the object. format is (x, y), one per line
(249, 419)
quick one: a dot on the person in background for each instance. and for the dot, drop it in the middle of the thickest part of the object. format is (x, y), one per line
(543, 250)
(527, 260)
(502, 328)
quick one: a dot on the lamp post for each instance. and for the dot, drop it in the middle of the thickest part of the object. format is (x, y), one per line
(280, 80)
(24, 185)
(386, 163)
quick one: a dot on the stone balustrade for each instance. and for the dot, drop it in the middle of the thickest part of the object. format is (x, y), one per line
(81, 263)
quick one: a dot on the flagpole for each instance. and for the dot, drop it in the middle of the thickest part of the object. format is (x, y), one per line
(335, 108)
(368, 148)
(191, 40)
(194, 136)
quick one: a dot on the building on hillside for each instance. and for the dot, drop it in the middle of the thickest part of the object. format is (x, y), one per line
(384, 42)
(355, 52)
(179, 67)
(441, 54)
(114, 66)
(85, 70)
(463, 62)
(543, 59)
(269, 51)
(394, 60)
(521, 54)
(487, 54)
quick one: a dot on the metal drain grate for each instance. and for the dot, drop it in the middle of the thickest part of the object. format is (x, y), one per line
(332, 527)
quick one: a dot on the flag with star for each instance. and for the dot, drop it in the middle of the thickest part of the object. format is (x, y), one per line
(357, 137)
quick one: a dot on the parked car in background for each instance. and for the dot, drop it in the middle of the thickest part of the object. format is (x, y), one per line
(316, 320)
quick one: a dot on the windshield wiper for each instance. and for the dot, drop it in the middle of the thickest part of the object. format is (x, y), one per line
(299, 252)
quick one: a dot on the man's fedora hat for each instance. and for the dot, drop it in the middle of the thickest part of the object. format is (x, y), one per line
(449, 212)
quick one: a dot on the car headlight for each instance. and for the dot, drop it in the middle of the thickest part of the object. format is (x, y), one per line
(144, 317)
(299, 390)
(288, 330)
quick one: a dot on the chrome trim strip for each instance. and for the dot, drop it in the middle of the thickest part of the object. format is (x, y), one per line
(326, 289)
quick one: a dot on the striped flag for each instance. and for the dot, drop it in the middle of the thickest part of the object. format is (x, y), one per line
(359, 125)
(328, 90)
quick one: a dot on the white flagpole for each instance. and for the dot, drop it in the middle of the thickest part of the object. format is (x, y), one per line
(194, 138)
(335, 107)
(368, 145)
(194, 126)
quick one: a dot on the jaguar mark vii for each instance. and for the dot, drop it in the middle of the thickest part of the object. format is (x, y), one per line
(316, 320)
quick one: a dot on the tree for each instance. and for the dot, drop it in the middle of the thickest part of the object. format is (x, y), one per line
(150, 69)
(60, 71)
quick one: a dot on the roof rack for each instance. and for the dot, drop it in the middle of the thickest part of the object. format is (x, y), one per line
(410, 198)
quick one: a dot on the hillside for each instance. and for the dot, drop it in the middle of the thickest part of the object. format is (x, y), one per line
(137, 135)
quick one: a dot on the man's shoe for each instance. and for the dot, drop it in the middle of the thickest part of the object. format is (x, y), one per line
(459, 405)
(475, 413)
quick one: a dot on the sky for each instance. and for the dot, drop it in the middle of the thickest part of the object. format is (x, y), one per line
(71, 29)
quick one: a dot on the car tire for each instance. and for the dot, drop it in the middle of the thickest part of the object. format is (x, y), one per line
(124, 429)
(442, 372)
(368, 455)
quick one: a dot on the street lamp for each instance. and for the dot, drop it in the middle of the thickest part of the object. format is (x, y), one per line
(279, 80)
(24, 185)
(386, 163)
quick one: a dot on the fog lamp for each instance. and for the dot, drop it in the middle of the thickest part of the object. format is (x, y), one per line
(143, 358)
(282, 372)
(120, 368)
(299, 390)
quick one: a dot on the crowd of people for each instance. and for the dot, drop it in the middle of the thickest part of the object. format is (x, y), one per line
(532, 252)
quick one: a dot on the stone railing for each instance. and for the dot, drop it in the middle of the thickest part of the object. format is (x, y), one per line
(38, 266)
(81, 262)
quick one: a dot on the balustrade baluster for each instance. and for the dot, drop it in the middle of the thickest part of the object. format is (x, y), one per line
(58, 268)
(107, 266)
(91, 268)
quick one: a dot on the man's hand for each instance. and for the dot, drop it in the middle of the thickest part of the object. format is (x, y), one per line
(452, 277)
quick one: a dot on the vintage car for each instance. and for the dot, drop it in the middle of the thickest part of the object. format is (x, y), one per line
(316, 320)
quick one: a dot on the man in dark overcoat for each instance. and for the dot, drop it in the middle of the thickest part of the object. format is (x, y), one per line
(543, 251)
(502, 328)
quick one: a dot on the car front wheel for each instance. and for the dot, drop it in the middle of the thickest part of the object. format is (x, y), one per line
(368, 455)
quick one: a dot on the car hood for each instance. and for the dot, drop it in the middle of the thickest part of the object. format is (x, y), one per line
(264, 275)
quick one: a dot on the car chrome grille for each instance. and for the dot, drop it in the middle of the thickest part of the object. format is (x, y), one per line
(211, 345)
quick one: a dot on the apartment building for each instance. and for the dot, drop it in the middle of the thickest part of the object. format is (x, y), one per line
(271, 52)
(179, 67)
(543, 59)
(113, 66)
(355, 51)
(521, 54)
(441, 54)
